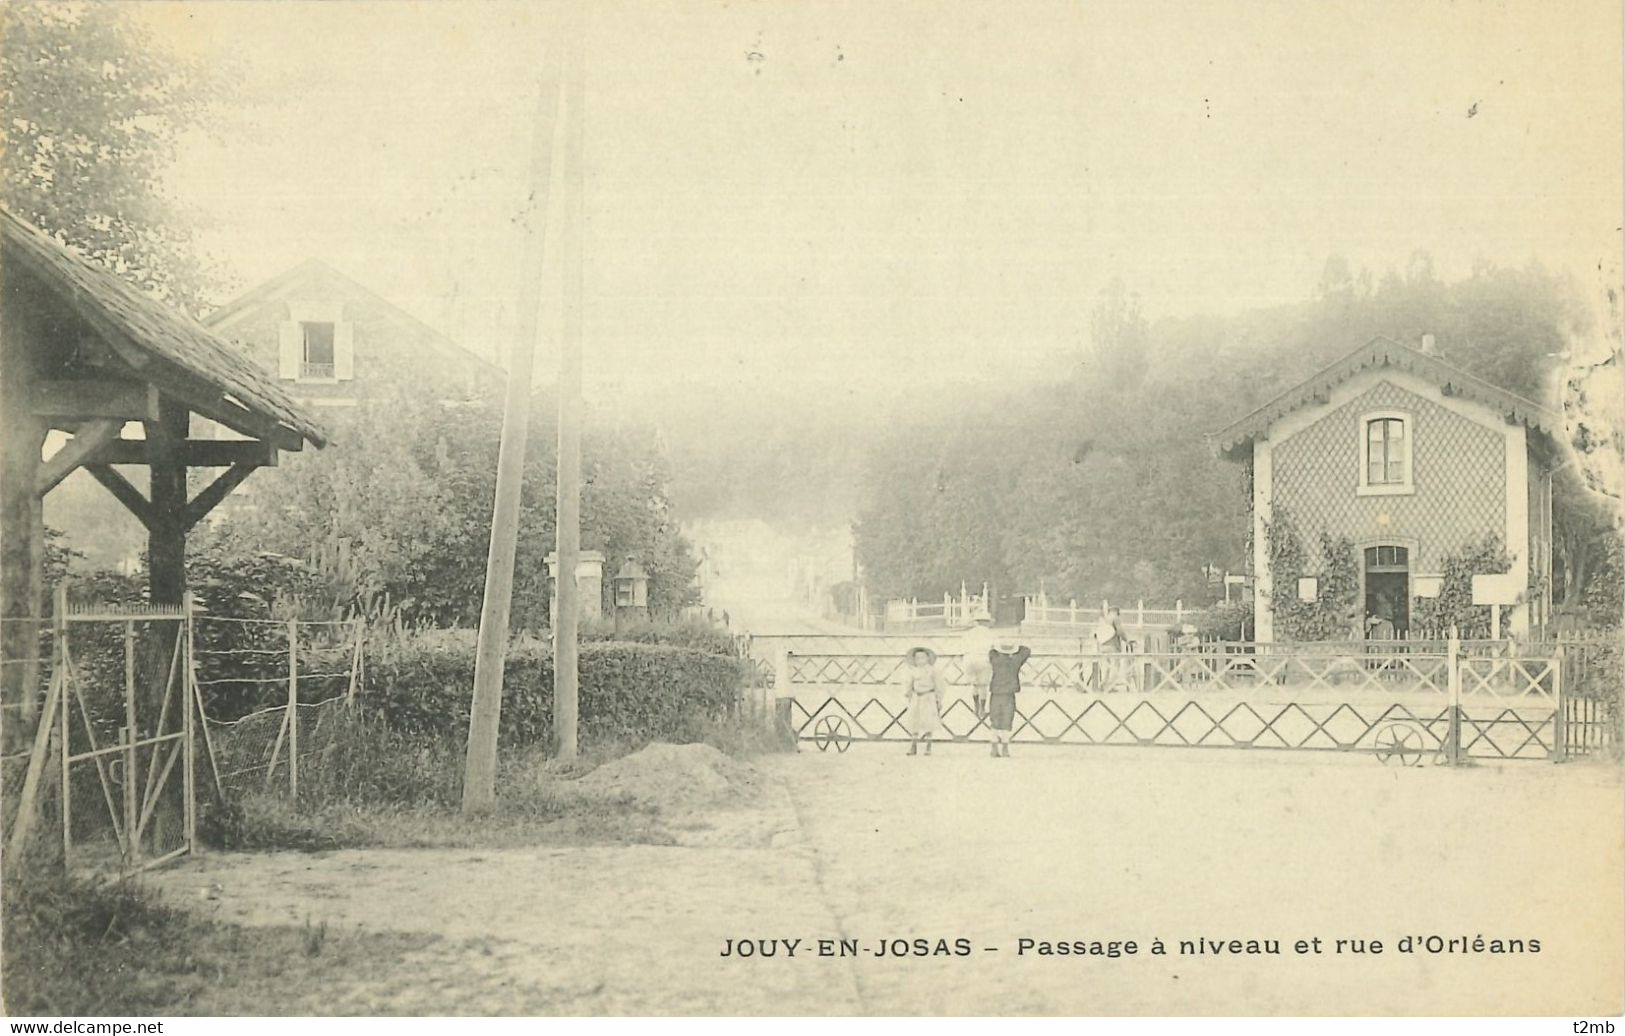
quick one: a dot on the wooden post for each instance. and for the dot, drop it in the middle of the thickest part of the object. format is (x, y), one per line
(293, 709)
(22, 526)
(1453, 669)
(166, 586)
(27, 807)
(485, 713)
(355, 663)
(566, 675)
(1140, 616)
(60, 623)
(132, 844)
(1560, 726)
(1495, 622)
(188, 747)
(1179, 612)
(781, 674)
(779, 716)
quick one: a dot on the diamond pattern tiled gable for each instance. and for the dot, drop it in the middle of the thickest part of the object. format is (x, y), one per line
(1459, 474)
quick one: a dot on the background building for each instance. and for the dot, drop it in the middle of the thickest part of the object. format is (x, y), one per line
(1416, 464)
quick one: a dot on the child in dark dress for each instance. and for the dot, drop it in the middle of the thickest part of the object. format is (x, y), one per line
(1006, 658)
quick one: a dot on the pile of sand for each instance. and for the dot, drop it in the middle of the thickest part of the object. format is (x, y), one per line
(677, 777)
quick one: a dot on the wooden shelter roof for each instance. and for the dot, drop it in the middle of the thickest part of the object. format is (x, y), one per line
(164, 347)
(1236, 441)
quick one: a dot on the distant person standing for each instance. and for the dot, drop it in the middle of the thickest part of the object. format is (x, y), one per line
(1379, 625)
(922, 688)
(1006, 660)
(975, 645)
(1109, 641)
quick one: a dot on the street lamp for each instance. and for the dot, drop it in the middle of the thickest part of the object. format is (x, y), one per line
(631, 589)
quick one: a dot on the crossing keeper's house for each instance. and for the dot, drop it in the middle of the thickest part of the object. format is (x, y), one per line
(1415, 463)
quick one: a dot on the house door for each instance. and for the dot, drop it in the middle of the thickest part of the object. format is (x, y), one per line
(1387, 590)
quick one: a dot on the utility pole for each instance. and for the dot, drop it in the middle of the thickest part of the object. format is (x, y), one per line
(479, 771)
(568, 616)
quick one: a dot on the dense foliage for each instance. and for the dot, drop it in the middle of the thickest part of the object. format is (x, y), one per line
(1454, 607)
(629, 692)
(1334, 611)
(1099, 483)
(398, 511)
(94, 108)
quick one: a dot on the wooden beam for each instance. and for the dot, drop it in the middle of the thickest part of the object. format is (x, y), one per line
(207, 401)
(216, 491)
(198, 453)
(127, 400)
(127, 494)
(91, 438)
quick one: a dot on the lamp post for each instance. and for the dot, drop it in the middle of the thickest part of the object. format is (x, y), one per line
(631, 592)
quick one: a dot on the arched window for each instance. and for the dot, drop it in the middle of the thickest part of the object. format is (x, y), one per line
(1385, 453)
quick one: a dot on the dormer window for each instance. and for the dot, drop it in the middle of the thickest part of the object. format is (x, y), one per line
(1385, 454)
(317, 344)
(317, 361)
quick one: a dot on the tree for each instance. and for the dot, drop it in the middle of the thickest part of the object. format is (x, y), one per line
(94, 107)
(1118, 335)
(403, 508)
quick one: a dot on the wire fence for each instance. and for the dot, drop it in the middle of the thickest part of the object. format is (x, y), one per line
(252, 676)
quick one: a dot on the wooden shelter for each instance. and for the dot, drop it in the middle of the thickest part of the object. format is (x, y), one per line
(83, 352)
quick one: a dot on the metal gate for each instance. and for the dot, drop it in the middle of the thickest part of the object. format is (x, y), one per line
(1405, 701)
(117, 728)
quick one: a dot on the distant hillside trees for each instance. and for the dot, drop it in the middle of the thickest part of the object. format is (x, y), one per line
(1101, 485)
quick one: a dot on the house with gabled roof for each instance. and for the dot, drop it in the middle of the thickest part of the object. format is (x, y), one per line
(1414, 462)
(334, 342)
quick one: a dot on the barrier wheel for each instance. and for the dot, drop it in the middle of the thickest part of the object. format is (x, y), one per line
(832, 730)
(1399, 743)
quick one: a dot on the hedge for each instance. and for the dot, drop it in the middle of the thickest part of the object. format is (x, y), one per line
(687, 633)
(421, 684)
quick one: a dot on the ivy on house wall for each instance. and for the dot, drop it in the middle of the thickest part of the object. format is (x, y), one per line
(1247, 506)
(1454, 605)
(1335, 611)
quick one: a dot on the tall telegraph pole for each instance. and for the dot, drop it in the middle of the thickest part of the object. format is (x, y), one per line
(565, 625)
(479, 773)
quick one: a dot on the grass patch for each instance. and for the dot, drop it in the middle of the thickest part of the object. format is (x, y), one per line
(550, 813)
(388, 791)
(380, 788)
(77, 946)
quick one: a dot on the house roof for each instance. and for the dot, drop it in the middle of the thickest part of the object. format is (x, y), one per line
(168, 348)
(1378, 354)
(286, 283)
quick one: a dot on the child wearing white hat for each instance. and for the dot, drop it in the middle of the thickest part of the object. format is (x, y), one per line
(922, 687)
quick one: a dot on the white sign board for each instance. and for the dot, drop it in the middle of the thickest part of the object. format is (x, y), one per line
(1496, 588)
(1308, 588)
(1427, 586)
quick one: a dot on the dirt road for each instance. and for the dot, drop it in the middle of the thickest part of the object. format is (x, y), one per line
(1075, 845)
(1066, 845)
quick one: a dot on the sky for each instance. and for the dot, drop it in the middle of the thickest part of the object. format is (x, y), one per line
(871, 188)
